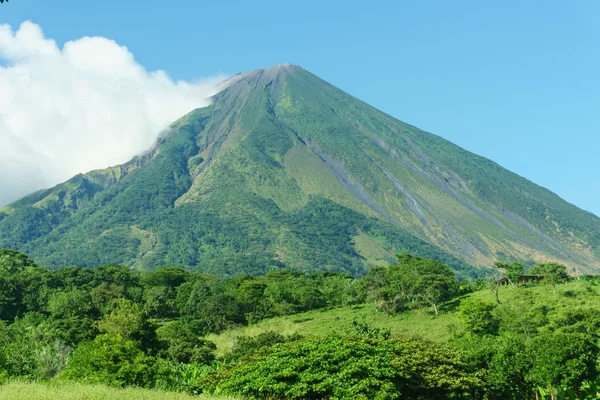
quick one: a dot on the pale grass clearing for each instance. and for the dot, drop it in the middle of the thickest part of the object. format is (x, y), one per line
(61, 390)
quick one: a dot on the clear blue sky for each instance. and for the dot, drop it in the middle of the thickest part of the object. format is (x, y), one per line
(515, 81)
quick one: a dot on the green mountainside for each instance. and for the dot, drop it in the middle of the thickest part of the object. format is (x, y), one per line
(285, 170)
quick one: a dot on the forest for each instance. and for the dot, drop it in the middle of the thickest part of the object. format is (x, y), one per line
(113, 326)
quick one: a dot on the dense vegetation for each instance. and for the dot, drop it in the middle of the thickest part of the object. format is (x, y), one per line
(113, 326)
(285, 171)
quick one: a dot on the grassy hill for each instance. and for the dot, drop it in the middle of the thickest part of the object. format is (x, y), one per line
(285, 170)
(422, 323)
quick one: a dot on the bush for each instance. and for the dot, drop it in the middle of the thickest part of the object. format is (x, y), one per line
(111, 360)
(351, 367)
(478, 317)
(182, 345)
(247, 345)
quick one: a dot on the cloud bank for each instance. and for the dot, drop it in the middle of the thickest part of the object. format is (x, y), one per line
(86, 106)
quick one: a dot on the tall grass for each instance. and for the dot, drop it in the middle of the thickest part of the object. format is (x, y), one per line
(60, 390)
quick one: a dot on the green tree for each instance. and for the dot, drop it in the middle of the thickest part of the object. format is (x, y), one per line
(104, 295)
(111, 360)
(562, 362)
(75, 303)
(171, 277)
(127, 321)
(185, 346)
(436, 288)
(431, 281)
(506, 369)
(553, 273)
(12, 261)
(31, 348)
(513, 271)
(159, 302)
(493, 282)
(8, 298)
(478, 316)
(413, 282)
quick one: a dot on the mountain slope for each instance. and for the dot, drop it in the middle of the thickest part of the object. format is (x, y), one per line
(286, 170)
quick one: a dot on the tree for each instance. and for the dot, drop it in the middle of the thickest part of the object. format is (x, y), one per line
(251, 295)
(413, 282)
(75, 303)
(562, 362)
(12, 261)
(128, 322)
(8, 303)
(184, 346)
(434, 282)
(170, 277)
(110, 360)
(372, 286)
(493, 281)
(478, 316)
(513, 271)
(507, 367)
(105, 294)
(159, 301)
(436, 288)
(553, 273)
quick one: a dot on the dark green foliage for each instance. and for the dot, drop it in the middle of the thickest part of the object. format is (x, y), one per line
(411, 283)
(110, 360)
(185, 346)
(562, 362)
(245, 346)
(529, 349)
(479, 317)
(369, 332)
(350, 367)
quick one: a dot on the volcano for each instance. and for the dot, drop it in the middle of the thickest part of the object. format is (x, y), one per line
(286, 170)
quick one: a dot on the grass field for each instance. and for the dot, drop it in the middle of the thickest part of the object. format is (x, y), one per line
(421, 323)
(61, 390)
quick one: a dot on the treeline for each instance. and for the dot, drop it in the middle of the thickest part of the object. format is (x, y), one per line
(115, 326)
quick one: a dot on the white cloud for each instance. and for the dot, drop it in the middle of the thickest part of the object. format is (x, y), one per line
(86, 106)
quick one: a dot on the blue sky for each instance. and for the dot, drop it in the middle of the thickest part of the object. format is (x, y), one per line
(517, 82)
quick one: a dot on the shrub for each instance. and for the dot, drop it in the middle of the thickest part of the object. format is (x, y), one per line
(111, 360)
(352, 367)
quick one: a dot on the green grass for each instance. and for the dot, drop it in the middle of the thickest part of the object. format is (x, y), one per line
(372, 250)
(76, 391)
(420, 323)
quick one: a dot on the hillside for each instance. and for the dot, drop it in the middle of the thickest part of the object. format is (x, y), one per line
(421, 323)
(285, 170)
